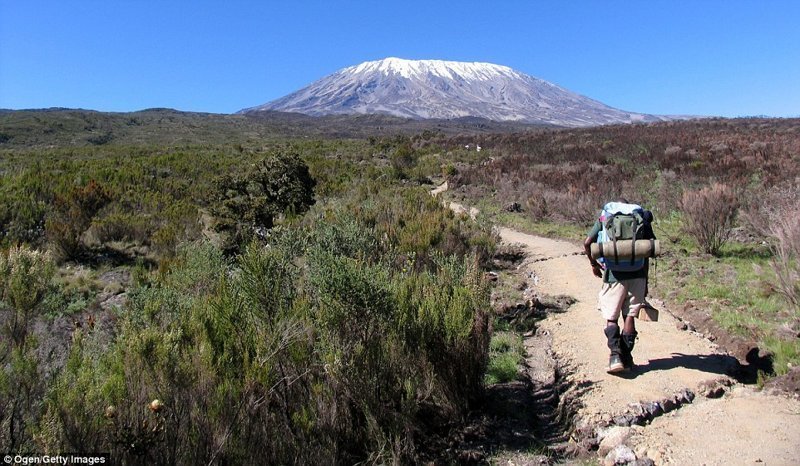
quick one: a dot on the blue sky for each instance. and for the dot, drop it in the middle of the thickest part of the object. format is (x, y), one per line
(700, 57)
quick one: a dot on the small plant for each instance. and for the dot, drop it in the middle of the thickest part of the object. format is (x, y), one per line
(709, 215)
(505, 354)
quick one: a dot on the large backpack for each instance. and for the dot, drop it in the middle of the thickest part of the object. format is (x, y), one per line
(620, 222)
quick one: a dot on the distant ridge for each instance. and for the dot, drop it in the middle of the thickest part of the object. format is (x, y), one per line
(425, 89)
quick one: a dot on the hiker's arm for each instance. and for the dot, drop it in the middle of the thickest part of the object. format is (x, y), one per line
(587, 248)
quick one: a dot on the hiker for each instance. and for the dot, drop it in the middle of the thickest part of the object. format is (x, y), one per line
(624, 282)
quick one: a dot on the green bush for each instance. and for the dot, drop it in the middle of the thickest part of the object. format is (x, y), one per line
(328, 339)
(250, 203)
(294, 352)
(25, 280)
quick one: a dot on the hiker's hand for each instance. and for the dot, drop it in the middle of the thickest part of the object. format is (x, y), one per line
(597, 271)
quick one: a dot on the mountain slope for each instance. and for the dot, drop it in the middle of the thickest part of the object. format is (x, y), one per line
(425, 89)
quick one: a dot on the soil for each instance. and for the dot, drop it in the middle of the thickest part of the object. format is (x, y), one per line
(687, 401)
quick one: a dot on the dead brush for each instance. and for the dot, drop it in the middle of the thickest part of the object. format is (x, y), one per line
(774, 214)
(785, 232)
(709, 215)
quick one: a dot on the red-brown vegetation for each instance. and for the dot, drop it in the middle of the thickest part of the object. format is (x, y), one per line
(557, 173)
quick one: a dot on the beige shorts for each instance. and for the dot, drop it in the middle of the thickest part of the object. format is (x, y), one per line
(624, 297)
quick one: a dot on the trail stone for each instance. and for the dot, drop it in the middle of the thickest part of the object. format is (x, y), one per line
(644, 462)
(654, 455)
(686, 395)
(669, 404)
(715, 388)
(613, 437)
(653, 409)
(624, 420)
(619, 455)
(681, 325)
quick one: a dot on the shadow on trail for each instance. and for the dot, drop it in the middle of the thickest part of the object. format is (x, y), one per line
(712, 363)
(721, 364)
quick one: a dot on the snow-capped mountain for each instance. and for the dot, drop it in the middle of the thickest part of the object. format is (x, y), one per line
(422, 89)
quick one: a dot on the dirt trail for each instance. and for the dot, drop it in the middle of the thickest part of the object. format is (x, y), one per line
(742, 427)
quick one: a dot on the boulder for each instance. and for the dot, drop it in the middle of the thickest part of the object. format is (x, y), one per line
(619, 455)
(613, 437)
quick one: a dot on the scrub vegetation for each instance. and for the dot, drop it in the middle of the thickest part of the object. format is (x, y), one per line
(724, 194)
(184, 288)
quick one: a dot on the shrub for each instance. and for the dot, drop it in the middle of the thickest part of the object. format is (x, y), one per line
(785, 231)
(251, 202)
(25, 278)
(119, 226)
(774, 214)
(71, 216)
(402, 160)
(260, 360)
(709, 214)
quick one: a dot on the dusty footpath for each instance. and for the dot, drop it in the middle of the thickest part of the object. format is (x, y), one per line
(678, 406)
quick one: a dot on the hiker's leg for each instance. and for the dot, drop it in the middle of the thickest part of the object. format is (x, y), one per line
(610, 301)
(630, 324)
(630, 310)
(627, 340)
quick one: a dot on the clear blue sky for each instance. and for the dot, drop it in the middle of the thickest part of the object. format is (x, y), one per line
(700, 57)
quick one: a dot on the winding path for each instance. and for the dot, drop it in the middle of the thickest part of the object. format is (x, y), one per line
(742, 427)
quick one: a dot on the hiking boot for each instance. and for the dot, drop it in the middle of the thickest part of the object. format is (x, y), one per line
(614, 345)
(627, 341)
(627, 359)
(615, 364)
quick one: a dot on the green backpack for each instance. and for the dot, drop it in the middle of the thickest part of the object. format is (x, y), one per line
(621, 222)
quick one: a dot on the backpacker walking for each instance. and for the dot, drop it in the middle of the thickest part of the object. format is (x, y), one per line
(624, 279)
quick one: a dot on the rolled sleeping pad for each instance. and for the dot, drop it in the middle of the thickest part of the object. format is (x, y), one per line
(644, 248)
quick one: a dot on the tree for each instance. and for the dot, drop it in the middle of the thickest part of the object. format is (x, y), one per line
(250, 202)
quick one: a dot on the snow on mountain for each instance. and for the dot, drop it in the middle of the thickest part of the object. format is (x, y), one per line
(422, 89)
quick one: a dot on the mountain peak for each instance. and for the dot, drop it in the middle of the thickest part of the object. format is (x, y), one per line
(423, 89)
(440, 68)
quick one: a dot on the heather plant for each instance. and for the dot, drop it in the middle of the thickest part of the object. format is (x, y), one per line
(305, 349)
(25, 280)
(71, 217)
(411, 222)
(709, 214)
